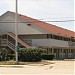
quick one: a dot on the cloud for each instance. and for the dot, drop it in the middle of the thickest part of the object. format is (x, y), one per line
(51, 7)
(42, 9)
(6, 5)
(46, 8)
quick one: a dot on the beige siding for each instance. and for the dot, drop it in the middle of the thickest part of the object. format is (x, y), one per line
(22, 27)
(38, 36)
(49, 42)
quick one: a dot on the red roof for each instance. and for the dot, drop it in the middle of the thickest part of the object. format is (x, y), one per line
(49, 27)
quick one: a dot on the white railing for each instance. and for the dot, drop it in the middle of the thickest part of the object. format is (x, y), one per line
(28, 41)
(71, 44)
(3, 42)
(11, 45)
(19, 40)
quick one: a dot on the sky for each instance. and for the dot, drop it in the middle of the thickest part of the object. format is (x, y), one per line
(45, 10)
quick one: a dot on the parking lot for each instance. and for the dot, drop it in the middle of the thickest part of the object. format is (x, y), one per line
(58, 67)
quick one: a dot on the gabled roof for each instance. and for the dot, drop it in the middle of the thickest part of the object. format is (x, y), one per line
(48, 27)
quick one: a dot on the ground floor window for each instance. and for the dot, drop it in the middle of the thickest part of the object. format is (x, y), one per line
(55, 50)
(50, 50)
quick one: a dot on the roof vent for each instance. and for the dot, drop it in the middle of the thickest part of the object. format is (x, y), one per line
(20, 15)
(29, 24)
(72, 37)
(58, 33)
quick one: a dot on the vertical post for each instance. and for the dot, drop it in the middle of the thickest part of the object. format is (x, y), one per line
(16, 31)
(1, 39)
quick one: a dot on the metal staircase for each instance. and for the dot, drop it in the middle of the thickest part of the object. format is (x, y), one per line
(19, 40)
(10, 45)
(7, 43)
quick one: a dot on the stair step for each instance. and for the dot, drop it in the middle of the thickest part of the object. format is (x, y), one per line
(19, 40)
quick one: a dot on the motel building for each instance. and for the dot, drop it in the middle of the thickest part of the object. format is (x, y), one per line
(34, 33)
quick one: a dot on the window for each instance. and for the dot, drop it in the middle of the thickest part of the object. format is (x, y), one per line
(55, 37)
(45, 51)
(60, 50)
(66, 39)
(69, 39)
(60, 38)
(55, 50)
(60, 56)
(4, 36)
(52, 36)
(64, 51)
(73, 40)
(49, 36)
(69, 51)
(49, 50)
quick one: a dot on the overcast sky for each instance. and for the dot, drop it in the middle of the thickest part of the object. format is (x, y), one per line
(49, 10)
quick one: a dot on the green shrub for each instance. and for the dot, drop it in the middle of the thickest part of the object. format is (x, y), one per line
(10, 56)
(47, 57)
(4, 55)
(29, 54)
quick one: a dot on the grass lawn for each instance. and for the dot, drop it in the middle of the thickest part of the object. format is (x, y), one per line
(11, 62)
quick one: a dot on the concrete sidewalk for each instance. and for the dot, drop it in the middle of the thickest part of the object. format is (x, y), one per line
(58, 68)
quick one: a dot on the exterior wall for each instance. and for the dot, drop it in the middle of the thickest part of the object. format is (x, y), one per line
(44, 40)
(38, 36)
(22, 27)
(7, 27)
(61, 53)
(37, 40)
(71, 44)
(49, 42)
(25, 29)
(58, 53)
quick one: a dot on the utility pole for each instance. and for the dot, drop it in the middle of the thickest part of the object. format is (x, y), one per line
(0, 39)
(16, 32)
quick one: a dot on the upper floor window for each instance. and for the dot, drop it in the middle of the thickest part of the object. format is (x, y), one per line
(49, 36)
(73, 40)
(4, 36)
(29, 24)
(66, 39)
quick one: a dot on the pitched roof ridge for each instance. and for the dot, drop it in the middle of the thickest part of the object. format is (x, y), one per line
(45, 23)
(47, 26)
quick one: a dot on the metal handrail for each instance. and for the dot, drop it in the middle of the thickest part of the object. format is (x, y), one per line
(19, 40)
(11, 45)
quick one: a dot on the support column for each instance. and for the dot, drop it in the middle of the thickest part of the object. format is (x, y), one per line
(52, 51)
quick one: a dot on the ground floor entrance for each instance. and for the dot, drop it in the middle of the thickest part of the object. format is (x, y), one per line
(60, 52)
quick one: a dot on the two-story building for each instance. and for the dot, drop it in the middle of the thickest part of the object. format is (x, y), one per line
(35, 33)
